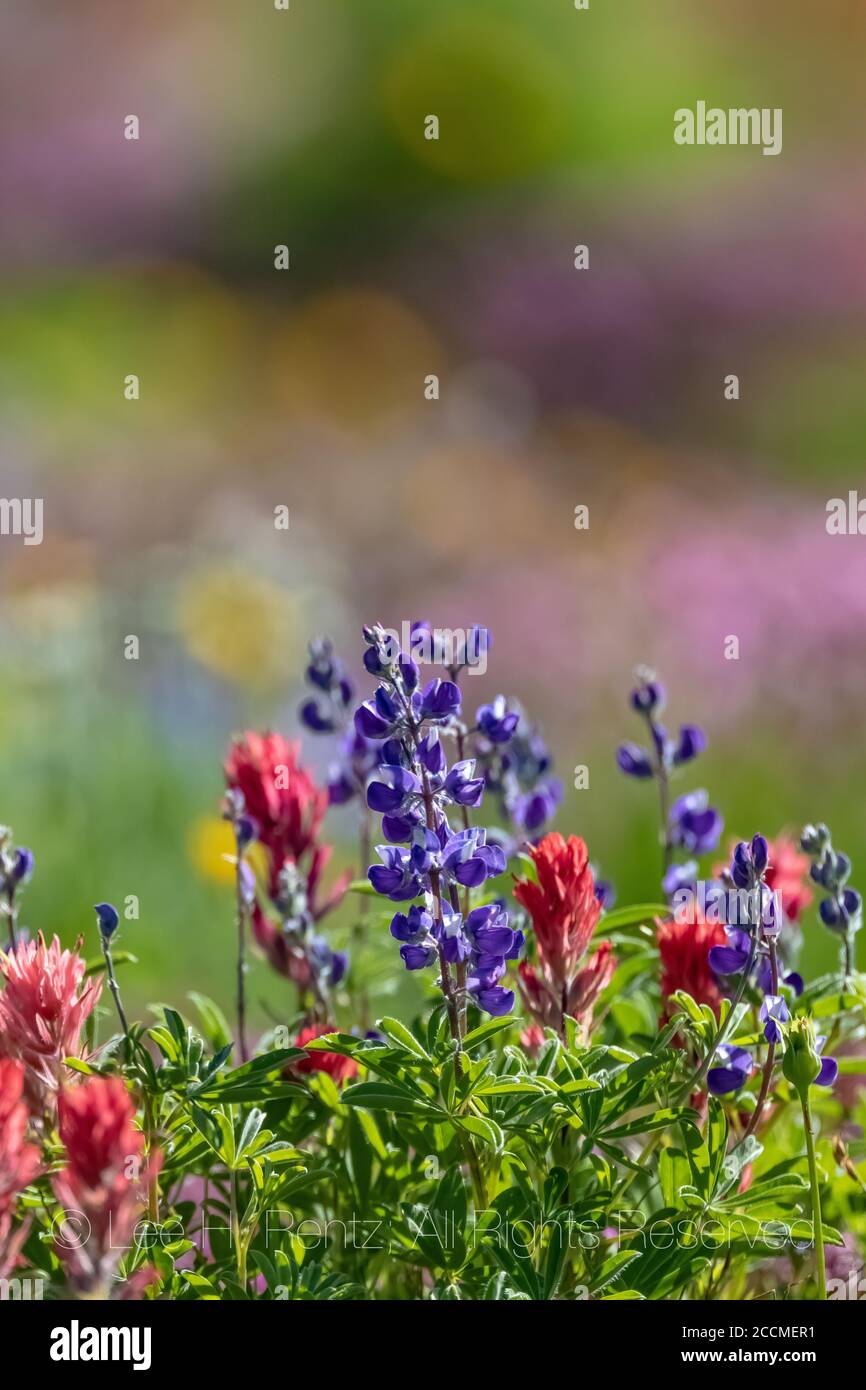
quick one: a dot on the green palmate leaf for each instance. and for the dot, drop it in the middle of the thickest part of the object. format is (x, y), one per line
(216, 1028)
(484, 1032)
(371, 1132)
(250, 1131)
(346, 1044)
(363, 886)
(716, 1141)
(554, 1260)
(377, 1095)
(202, 1287)
(675, 1177)
(482, 1128)
(509, 1086)
(400, 1034)
(738, 1159)
(580, 1085)
(611, 1270)
(248, 1077)
(659, 1119)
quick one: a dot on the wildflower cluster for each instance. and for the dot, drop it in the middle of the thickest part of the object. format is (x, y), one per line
(668, 1055)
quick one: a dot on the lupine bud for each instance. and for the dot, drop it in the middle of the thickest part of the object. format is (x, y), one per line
(632, 760)
(23, 866)
(692, 742)
(802, 1061)
(760, 854)
(108, 919)
(648, 697)
(246, 830)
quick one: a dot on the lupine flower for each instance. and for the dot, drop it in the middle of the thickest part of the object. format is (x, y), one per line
(732, 958)
(16, 868)
(43, 1009)
(773, 1013)
(279, 794)
(413, 792)
(605, 892)
(102, 1180)
(326, 711)
(19, 1161)
(482, 944)
(733, 1069)
(666, 753)
(496, 722)
(564, 910)
(690, 824)
(516, 764)
(842, 909)
(694, 825)
(341, 1069)
(684, 951)
(680, 877)
(792, 978)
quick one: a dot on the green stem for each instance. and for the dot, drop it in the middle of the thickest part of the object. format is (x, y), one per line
(239, 1244)
(816, 1198)
(722, 1030)
(767, 1077)
(12, 912)
(241, 962)
(152, 1174)
(113, 986)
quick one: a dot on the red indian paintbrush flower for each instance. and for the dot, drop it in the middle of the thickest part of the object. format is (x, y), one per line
(43, 1008)
(100, 1189)
(19, 1161)
(684, 948)
(564, 912)
(281, 797)
(337, 1066)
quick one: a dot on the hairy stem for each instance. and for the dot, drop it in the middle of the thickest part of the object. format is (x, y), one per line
(816, 1198)
(113, 986)
(766, 1079)
(240, 916)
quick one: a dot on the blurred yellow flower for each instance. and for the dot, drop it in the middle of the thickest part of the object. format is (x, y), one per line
(241, 626)
(209, 841)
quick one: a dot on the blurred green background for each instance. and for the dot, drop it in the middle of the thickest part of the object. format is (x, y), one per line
(305, 388)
